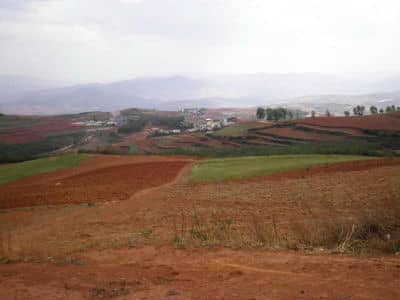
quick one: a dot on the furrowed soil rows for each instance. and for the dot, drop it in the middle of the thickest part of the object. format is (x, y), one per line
(333, 130)
(91, 183)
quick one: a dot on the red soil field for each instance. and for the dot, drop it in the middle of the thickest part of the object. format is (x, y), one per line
(344, 131)
(95, 184)
(141, 139)
(151, 273)
(46, 127)
(288, 132)
(124, 249)
(375, 122)
(191, 139)
(183, 141)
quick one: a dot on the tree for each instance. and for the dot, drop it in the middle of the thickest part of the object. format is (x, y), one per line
(290, 115)
(388, 109)
(346, 113)
(381, 111)
(269, 113)
(398, 108)
(358, 110)
(260, 113)
(373, 110)
(313, 114)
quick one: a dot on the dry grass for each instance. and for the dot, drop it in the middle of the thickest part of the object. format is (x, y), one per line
(369, 232)
(375, 231)
(352, 212)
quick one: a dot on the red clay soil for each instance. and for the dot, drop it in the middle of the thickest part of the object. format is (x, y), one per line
(142, 270)
(183, 141)
(168, 273)
(374, 122)
(106, 182)
(141, 139)
(351, 166)
(288, 132)
(342, 131)
(191, 139)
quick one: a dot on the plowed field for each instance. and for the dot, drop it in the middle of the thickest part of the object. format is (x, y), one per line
(375, 122)
(293, 133)
(97, 180)
(129, 249)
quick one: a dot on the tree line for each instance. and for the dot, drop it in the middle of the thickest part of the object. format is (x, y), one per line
(274, 114)
(359, 110)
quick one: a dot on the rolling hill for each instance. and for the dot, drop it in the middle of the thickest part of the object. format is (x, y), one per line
(176, 92)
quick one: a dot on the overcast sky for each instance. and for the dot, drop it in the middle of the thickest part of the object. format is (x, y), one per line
(104, 40)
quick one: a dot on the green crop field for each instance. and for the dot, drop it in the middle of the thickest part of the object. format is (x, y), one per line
(13, 172)
(244, 167)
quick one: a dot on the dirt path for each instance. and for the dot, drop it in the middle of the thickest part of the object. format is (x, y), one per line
(179, 178)
(169, 273)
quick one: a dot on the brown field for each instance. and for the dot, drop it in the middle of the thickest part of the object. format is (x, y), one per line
(162, 238)
(293, 133)
(182, 140)
(375, 122)
(340, 131)
(141, 139)
(94, 182)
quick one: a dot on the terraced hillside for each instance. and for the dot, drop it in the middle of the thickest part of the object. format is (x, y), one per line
(369, 132)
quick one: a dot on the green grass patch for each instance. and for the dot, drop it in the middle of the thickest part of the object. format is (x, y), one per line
(13, 172)
(133, 149)
(245, 167)
(28, 151)
(232, 131)
(368, 149)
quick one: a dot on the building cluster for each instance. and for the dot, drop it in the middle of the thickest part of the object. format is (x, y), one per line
(198, 122)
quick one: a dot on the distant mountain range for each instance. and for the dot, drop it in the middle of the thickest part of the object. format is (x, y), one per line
(28, 96)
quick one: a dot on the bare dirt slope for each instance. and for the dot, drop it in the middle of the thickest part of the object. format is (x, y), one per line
(168, 273)
(126, 250)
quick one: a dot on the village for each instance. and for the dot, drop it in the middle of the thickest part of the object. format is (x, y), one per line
(193, 120)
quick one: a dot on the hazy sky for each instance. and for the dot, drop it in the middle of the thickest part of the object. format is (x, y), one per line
(103, 40)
